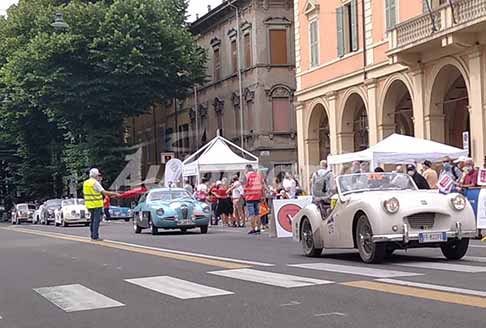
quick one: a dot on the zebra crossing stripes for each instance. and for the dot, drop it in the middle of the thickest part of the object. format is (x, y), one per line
(434, 287)
(355, 270)
(446, 266)
(178, 288)
(72, 298)
(270, 278)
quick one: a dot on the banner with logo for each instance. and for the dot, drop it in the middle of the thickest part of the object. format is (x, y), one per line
(284, 210)
(445, 184)
(481, 212)
(173, 172)
(482, 177)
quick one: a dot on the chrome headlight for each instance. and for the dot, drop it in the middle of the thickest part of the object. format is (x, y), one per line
(458, 202)
(160, 212)
(391, 205)
(206, 209)
(73, 213)
(129, 212)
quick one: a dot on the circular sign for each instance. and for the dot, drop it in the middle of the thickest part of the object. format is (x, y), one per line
(285, 215)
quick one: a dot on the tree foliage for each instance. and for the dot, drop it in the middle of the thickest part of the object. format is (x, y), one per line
(66, 94)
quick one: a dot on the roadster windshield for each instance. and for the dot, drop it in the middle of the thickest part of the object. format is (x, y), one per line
(72, 201)
(168, 195)
(354, 183)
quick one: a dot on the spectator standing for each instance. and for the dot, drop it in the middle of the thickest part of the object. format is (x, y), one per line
(213, 200)
(202, 190)
(236, 190)
(106, 207)
(470, 178)
(223, 208)
(188, 186)
(430, 175)
(417, 177)
(289, 185)
(253, 192)
(355, 167)
(451, 170)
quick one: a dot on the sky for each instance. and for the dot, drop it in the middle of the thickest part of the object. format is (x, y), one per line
(195, 6)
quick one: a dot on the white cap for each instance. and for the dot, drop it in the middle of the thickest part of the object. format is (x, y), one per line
(218, 183)
(93, 173)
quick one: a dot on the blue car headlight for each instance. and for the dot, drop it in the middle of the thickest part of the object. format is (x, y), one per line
(160, 212)
(206, 209)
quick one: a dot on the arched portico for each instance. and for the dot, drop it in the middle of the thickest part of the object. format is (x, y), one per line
(354, 126)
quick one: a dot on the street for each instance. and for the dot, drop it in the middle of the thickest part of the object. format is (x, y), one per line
(57, 277)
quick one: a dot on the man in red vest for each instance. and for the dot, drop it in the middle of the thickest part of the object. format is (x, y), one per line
(253, 195)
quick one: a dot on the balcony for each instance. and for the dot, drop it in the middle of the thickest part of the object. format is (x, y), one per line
(445, 26)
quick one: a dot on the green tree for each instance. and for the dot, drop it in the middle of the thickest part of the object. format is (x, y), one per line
(116, 58)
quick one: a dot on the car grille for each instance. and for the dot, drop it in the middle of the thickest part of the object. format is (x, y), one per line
(83, 214)
(184, 212)
(421, 220)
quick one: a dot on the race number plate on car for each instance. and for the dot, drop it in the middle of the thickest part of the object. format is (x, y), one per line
(431, 237)
(185, 222)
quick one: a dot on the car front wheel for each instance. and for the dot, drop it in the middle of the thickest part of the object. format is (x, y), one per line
(455, 250)
(154, 229)
(136, 228)
(307, 239)
(369, 251)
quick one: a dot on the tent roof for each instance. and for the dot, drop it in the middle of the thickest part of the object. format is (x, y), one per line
(398, 148)
(217, 156)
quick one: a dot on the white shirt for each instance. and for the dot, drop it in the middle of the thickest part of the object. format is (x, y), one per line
(290, 186)
(98, 187)
(237, 192)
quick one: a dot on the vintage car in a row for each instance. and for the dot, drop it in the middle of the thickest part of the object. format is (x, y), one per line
(45, 214)
(23, 213)
(170, 208)
(378, 213)
(72, 211)
(120, 213)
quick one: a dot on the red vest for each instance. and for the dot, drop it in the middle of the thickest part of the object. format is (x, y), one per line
(253, 187)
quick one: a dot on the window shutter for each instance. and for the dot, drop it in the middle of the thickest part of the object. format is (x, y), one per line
(314, 43)
(425, 6)
(340, 31)
(354, 25)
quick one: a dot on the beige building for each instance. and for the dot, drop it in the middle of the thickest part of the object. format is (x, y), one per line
(369, 68)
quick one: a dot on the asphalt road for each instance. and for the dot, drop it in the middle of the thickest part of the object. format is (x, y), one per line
(56, 277)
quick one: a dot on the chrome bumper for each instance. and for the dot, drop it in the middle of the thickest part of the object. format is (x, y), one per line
(406, 236)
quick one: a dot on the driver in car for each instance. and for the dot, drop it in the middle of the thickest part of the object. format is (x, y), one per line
(323, 189)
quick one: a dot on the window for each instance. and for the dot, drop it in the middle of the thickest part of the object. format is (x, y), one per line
(247, 45)
(168, 138)
(347, 28)
(281, 114)
(278, 47)
(314, 43)
(433, 4)
(234, 56)
(217, 65)
(391, 13)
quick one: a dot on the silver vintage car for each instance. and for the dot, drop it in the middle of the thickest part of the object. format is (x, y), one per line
(378, 213)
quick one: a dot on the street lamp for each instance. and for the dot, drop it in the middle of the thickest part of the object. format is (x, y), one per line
(59, 23)
(240, 81)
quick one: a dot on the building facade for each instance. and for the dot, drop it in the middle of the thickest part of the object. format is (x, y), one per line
(370, 68)
(267, 59)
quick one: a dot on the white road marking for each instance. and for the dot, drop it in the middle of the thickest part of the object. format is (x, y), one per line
(355, 270)
(270, 278)
(434, 287)
(193, 254)
(331, 313)
(446, 266)
(292, 303)
(76, 297)
(477, 246)
(177, 288)
(478, 259)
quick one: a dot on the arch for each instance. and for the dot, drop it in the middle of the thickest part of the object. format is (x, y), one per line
(353, 123)
(280, 91)
(318, 143)
(447, 115)
(312, 107)
(395, 110)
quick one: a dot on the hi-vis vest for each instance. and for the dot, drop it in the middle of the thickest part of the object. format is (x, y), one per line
(92, 198)
(254, 187)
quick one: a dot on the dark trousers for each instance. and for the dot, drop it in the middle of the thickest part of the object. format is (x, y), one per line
(95, 222)
(107, 214)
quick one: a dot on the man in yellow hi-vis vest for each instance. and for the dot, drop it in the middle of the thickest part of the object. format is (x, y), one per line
(93, 198)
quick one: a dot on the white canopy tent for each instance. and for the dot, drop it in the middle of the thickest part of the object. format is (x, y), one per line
(217, 156)
(397, 149)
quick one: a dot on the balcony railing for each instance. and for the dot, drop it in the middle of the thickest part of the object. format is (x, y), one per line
(445, 19)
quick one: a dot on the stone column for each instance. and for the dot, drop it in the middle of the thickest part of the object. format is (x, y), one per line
(332, 118)
(435, 124)
(372, 112)
(477, 106)
(418, 102)
(385, 130)
(345, 142)
(301, 133)
(311, 158)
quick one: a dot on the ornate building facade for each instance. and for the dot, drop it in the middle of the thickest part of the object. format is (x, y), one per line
(370, 68)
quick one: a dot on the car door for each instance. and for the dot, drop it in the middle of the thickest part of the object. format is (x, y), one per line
(138, 211)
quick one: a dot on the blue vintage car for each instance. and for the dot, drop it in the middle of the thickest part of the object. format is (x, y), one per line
(170, 208)
(120, 213)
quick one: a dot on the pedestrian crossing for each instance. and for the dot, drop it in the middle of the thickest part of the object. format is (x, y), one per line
(77, 297)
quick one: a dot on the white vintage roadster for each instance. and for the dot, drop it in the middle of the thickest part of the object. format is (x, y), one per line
(378, 213)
